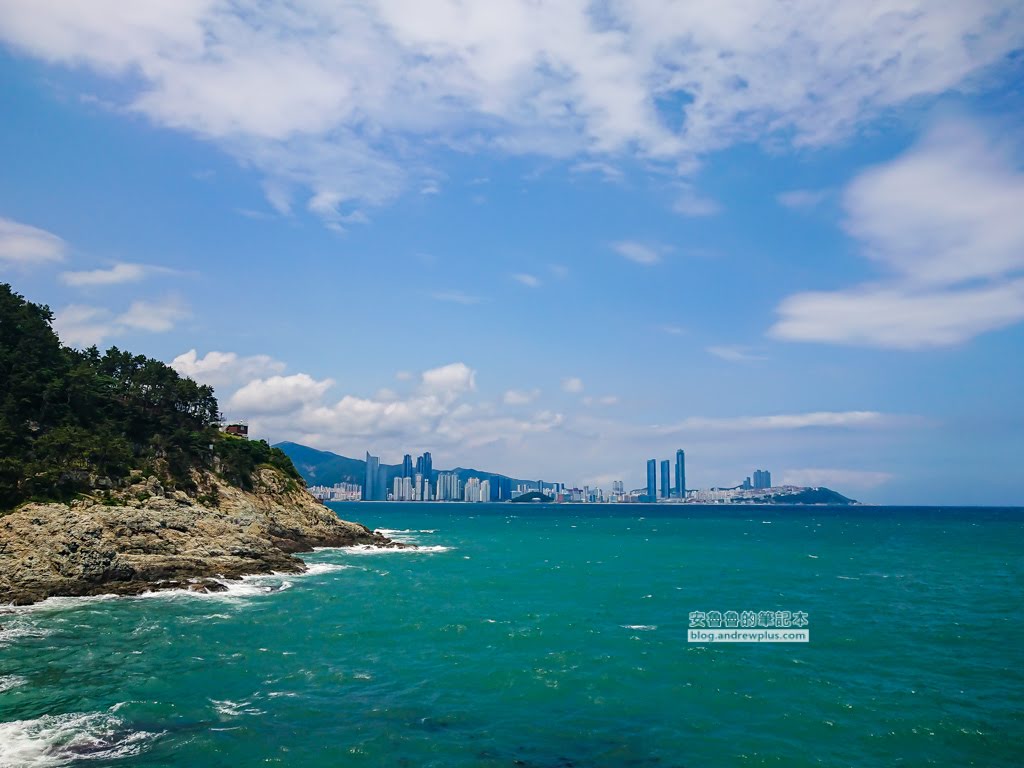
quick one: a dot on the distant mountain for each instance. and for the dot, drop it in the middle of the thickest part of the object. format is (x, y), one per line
(326, 468)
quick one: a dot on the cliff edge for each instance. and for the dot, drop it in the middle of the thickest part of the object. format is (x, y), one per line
(142, 538)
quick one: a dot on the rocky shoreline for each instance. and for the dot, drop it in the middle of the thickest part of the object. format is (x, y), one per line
(143, 538)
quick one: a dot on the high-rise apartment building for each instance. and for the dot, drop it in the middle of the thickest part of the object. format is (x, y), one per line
(666, 479)
(762, 478)
(407, 466)
(373, 480)
(681, 473)
(652, 479)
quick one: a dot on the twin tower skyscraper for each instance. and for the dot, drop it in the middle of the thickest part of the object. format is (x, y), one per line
(667, 490)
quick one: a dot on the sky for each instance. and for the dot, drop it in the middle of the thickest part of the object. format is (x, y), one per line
(551, 239)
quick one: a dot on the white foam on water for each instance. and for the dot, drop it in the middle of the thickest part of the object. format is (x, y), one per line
(228, 708)
(7, 682)
(395, 531)
(367, 549)
(315, 569)
(19, 629)
(55, 740)
(640, 627)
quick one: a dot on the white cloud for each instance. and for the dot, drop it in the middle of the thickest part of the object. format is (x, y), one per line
(573, 385)
(154, 316)
(520, 397)
(900, 317)
(223, 368)
(559, 270)
(116, 275)
(735, 354)
(835, 478)
(830, 419)
(278, 394)
(531, 281)
(689, 203)
(82, 325)
(25, 245)
(801, 199)
(456, 297)
(638, 252)
(590, 401)
(448, 382)
(943, 222)
(672, 329)
(332, 101)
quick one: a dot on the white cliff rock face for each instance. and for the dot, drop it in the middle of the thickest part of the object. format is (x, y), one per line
(143, 539)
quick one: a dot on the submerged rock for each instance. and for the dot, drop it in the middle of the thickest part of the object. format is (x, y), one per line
(124, 545)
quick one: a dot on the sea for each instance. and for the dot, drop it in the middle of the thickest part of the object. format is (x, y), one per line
(552, 637)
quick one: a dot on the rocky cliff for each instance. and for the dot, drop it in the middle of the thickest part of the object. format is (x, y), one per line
(142, 538)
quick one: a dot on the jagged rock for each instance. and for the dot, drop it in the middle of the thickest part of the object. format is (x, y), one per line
(91, 548)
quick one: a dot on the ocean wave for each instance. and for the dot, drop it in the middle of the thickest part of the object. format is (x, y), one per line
(228, 708)
(7, 682)
(19, 629)
(367, 549)
(640, 627)
(396, 531)
(55, 740)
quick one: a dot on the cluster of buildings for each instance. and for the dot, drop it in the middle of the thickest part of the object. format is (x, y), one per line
(417, 481)
(337, 492)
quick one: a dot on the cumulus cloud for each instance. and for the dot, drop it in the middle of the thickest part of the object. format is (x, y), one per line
(572, 385)
(448, 382)
(223, 368)
(24, 245)
(942, 222)
(279, 394)
(331, 101)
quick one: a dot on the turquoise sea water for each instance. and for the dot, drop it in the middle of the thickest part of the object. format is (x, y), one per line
(551, 636)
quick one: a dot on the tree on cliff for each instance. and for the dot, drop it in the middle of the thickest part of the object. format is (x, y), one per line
(68, 417)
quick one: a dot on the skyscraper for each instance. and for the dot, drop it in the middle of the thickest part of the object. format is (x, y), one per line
(428, 466)
(371, 483)
(652, 479)
(681, 473)
(407, 466)
(666, 479)
(762, 478)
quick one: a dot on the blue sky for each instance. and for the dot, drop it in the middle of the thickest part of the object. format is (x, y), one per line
(549, 239)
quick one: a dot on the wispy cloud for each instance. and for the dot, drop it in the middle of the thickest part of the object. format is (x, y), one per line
(801, 199)
(639, 252)
(836, 478)
(573, 385)
(118, 274)
(690, 203)
(943, 222)
(817, 419)
(456, 297)
(83, 325)
(24, 245)
(520, 396)
(736, 354)
(591, 401)
(672, 329)
(530, 281)
(331, 102)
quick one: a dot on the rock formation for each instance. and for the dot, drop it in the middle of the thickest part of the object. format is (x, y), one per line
(141, 538)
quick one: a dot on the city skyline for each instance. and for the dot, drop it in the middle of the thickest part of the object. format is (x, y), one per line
(668, 224)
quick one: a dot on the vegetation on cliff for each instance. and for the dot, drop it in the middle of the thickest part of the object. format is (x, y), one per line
(75, 421)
